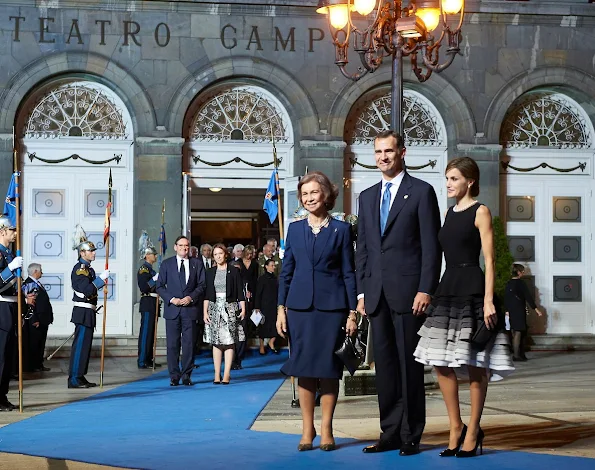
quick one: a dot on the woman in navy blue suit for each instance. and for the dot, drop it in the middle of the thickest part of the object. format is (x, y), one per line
(317, 299)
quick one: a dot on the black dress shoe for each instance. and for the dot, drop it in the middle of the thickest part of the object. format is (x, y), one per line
(144, 366)
(45, 369)
(85, 381)
(77, 385)
(174, 382)
(409, 448)
(187, 382)
(5, 405)
(380, 446)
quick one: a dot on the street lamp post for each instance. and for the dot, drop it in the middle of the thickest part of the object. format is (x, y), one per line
(396, 30)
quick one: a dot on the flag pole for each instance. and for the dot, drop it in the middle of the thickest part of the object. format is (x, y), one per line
(157, 303)
(106, 236)
(279, 204)
(19, 279)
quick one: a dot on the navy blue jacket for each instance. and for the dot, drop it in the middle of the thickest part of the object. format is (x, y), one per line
(146, 284)
(169, 286)
(43, 311)
(404, 260)
(8, 286)
(322, 278)
(85, 285)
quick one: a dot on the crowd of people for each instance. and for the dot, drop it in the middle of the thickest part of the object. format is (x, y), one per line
(314, 293)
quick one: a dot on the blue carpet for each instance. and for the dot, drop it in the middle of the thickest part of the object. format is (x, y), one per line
(148, 424)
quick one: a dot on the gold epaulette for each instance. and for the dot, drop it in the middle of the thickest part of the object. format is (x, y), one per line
(82, 271)
(143, 270)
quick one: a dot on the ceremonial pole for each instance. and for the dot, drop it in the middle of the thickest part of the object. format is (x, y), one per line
(158, 268)
(19, 278)
(106, 240)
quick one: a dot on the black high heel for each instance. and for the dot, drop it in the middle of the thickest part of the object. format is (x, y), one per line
(453, 452)
(478, 443)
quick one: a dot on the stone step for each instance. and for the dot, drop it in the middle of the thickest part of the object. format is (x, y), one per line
(363, 382)
(574, 342)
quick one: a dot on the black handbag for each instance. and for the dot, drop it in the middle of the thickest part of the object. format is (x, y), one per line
(483, 335)
(351, 353)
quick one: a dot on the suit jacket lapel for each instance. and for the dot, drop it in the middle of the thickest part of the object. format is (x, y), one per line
(305, 246)
(376, 209)
(400, 200)
(323, 240)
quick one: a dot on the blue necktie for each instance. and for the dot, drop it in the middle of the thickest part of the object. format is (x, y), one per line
(385, 207)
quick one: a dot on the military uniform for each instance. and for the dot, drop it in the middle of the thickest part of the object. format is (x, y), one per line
(8, 321)
(148, 305)
(84, 312)
(262, 259)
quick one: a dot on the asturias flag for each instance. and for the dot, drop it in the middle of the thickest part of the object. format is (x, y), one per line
(10, 207)
(162, 241)
(271, 199)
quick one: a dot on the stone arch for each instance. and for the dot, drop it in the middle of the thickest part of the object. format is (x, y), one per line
(246, 70)
(572, 82)
(88, 66)
(457, 115)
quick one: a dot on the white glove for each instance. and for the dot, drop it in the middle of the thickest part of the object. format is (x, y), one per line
(155, 277)
(281, 253)
(16, 263)
(104, 275)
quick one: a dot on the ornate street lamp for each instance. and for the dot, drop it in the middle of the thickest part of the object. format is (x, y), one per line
(396, 30)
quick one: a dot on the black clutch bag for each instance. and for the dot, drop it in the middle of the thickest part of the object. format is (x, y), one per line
(351, 353)
(482, 335)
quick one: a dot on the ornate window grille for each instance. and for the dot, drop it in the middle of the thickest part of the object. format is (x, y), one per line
(545, 119)
(76, 110)
(421, 124)
(239, 114)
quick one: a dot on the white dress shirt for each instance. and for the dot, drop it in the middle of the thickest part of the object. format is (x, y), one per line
(396, 183)
(206, 262)
(186, 262)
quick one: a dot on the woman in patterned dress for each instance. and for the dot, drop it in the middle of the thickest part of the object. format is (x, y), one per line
(463, 301)
(224, 308)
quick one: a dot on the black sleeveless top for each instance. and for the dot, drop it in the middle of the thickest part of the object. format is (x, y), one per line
(461, 244)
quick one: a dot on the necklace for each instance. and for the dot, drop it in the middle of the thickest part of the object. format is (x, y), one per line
(464, 208)
(317, 228)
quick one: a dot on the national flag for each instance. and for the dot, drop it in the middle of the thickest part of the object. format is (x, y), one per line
(108, 211)
(162, 242)
(271, 198)
(10, 205)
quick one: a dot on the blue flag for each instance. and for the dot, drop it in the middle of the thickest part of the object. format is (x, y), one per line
(10, 207)
(163, 243)
(271, 199)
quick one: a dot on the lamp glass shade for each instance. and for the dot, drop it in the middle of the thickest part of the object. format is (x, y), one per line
(339, 15)
(364, 7)
(430, 17)
(452, 7)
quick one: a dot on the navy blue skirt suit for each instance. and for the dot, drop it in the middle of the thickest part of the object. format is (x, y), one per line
(317, 286)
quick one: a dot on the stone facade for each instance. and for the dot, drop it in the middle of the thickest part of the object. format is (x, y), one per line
(160, 56)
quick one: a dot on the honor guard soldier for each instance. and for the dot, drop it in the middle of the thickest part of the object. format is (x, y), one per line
(85, 285)
(147, 281)
(8, 307)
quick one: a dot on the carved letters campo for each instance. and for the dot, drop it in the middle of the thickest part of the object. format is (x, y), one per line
(132, 32)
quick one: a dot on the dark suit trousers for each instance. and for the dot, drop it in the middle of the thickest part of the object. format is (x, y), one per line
(146, 338)
(7, 342)
(80, 353)
(180, 331)
(399, 377)
(36, 347)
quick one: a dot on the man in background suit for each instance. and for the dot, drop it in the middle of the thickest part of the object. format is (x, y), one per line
(206, 252)
(42, 317)
(397, 265)
(181, 285)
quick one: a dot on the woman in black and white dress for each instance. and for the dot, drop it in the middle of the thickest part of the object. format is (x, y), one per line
(224, 308)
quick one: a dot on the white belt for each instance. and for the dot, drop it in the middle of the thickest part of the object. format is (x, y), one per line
(85, 305)
(9, 284)
(8, 298)
(78, 294)
(150, 294)
(221, 296)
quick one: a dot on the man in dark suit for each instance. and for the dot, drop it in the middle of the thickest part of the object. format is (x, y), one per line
(181, 285)
(42, 317)
(398, 265)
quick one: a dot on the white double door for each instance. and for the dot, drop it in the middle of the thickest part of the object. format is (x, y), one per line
(55, 199)
(550, 228)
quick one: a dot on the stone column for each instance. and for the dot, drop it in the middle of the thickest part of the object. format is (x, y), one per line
(158, 170)
(487, 157)
(326, 156)
(6, 161)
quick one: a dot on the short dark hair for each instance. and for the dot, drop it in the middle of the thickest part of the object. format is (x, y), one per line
(390, 133)
(269, 261)
(469, 169)
(329, 190)
(181, 237)
(517, 269)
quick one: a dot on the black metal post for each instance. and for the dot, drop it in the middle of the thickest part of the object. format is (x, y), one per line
(397, 90)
